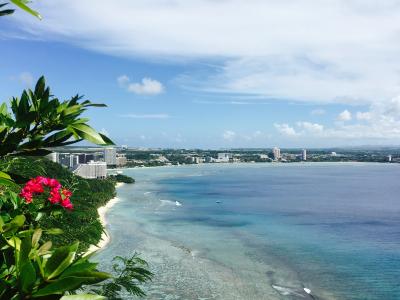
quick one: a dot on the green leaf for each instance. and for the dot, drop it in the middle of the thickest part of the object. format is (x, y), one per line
(40, 87)
(61, 259)
(28, 277)
(88, 133)
(17, 222)
(36, 237)
(25, 249)
(44, 249)
(14, 242)
(54, 231)
(106, 139)
(4, 175)
(60, 286)
(83, 297)
(22, 5)
(84, 266)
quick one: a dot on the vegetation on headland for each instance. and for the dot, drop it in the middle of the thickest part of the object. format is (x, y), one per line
(122, 178)
(82, 224)
(41, 245)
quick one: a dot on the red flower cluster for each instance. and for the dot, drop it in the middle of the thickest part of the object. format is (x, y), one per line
(57, 194)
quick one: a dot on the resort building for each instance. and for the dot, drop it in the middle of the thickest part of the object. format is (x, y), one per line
(91, 170)
(277, 153)
(121, 160)
(110, 156)
(197, 160)
(304, 154)
(224, 157)
(54, 157)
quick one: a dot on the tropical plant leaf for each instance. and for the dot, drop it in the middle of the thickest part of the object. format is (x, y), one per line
(22, 4)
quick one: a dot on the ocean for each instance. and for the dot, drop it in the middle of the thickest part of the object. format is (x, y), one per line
(262, 231)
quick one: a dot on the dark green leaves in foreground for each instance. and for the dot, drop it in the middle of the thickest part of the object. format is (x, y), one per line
(39, 120)
(23, 4)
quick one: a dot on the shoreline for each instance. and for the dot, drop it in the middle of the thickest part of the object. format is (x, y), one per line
(105, 236)
(255, 163)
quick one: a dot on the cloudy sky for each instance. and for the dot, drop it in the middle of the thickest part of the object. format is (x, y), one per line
(217, 73)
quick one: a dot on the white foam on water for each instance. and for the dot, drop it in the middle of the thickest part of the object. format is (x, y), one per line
(286, 291)
(169, 202)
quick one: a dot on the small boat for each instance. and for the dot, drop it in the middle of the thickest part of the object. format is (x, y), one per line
(218, 201)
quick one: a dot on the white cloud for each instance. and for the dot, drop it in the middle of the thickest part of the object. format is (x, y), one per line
(311, 127)
(146, 116)
(363, 115)
(285, 129)
(229, 135)
(344, 116)
(309, 50)
(318, 112)
(123, 80)
(147, 86)
(381, 123)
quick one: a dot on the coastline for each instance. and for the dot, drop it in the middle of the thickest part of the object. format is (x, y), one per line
(102, 211)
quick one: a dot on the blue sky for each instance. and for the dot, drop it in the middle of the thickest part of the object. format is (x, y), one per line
(214, 74)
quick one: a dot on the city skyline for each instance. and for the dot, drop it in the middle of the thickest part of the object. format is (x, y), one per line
(306, 84)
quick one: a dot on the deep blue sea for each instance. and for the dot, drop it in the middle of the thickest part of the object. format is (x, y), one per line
(263, 231)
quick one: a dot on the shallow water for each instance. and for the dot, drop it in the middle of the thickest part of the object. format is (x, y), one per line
(263, 231)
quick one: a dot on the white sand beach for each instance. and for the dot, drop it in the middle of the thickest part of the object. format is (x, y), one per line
(102, 211)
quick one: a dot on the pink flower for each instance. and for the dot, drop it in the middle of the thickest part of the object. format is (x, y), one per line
(66, 203)
(57, 193)
(66, 193)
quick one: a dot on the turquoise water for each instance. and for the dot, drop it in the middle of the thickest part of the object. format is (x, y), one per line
(263, 231)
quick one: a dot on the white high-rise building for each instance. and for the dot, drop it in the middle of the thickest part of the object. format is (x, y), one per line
(277, 153)
(73, 160)
(389, 158)
(224, 157)
(53, 156)
(304, 154)
(91, 170)
(121, 160)
(110, 156)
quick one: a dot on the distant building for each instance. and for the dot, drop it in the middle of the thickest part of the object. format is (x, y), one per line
(277, 153)
(54, 157)
(91, 170)
(73, 160)
(197, 160)
(224, 157)
(110, 156)
(304, 154)
(333, 154)
(209, 159)
(263, 156)
(389, 158)
(121, 160)
(68, 160)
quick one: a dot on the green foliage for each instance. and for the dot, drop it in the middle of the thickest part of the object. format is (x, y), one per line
(130, 272)
(122, 178)
(31, 269)
(82, 224)
(5, 12)
(38, 121)
(23, 4)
